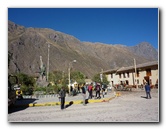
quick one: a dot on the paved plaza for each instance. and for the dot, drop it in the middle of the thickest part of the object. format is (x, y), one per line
(128, 107)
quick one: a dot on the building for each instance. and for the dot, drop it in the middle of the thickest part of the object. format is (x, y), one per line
(145, 72)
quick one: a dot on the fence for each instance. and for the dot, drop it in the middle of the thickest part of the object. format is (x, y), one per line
(39, 96)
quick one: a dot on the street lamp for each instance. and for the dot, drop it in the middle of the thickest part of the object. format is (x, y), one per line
(69, 72)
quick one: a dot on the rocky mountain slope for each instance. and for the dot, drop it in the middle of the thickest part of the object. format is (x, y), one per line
(146, 50)
(26, 45)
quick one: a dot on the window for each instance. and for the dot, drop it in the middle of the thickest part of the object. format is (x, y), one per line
(119, 75)
(137, 73)
(128, 75)
(111, 75)
(148, 72)
(124, 75)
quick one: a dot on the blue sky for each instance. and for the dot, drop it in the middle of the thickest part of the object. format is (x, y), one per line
(126, 26)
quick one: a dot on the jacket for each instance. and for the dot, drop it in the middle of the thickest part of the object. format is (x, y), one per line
(83, 90)
(62, 93)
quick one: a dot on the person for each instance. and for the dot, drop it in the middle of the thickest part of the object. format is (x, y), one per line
(98, 88)
(78, 88)
(103, 90)
(90, 90)
(147, 89)
(83, 94)
(62, 95)
(71, 90)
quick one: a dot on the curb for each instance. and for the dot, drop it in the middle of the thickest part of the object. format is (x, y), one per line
(66, 103)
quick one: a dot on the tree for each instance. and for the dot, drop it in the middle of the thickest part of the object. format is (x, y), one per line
(27, 83)
(58, 77)
(96, 78)
(78, 77)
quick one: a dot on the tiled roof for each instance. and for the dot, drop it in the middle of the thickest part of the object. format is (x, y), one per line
(132, 67)
(110, 70)
(147, 64)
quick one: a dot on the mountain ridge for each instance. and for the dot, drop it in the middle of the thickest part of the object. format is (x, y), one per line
(26, 45)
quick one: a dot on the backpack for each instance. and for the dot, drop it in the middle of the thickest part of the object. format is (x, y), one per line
(97, 87)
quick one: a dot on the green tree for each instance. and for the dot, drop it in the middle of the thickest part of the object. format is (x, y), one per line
(78, 77)
(58, 77)
(96, 78)
(27, 83)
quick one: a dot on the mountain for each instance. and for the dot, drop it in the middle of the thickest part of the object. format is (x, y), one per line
(146, 50)
(26, 45)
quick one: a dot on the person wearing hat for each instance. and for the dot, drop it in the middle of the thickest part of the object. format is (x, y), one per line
(147, 89)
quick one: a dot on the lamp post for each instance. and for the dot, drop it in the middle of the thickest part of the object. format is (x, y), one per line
(101, 76)
(135, 73)
(69, 72)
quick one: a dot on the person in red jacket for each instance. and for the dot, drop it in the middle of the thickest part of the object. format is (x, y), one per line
(90, 90)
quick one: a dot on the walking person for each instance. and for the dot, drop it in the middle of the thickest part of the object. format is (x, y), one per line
(103, 91)
(90, 90)
(147, 89)
(62, 95)
(98, 88)
(83, 94)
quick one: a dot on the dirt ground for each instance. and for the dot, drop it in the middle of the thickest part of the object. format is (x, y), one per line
(129, 107)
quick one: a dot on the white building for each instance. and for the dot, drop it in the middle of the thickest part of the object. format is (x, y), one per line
(145, 72)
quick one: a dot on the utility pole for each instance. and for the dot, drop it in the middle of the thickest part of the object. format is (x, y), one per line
(135, 73)
(41, 68)
(69, 72)
(48, 61)
(101, 76)
(41, 63)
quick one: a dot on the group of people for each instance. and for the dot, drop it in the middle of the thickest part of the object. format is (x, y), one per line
(98, 88)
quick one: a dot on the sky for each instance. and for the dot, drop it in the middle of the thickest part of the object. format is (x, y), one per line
(126, 26)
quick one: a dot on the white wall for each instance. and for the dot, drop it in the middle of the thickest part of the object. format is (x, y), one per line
(142, 74)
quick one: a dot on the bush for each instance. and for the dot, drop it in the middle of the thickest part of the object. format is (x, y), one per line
(27, 83)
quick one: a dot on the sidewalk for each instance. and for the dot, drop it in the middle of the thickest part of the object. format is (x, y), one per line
(53, 101)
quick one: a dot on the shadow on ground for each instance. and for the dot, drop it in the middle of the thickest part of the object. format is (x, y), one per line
(68, 105)
(144, 97)
(20, 105)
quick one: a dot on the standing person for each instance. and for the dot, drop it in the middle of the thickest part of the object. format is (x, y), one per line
(98, 88)
(71, 90)
(83, 94)
(103, 90)
(62, 95)
(147, 89)
(90, 90)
